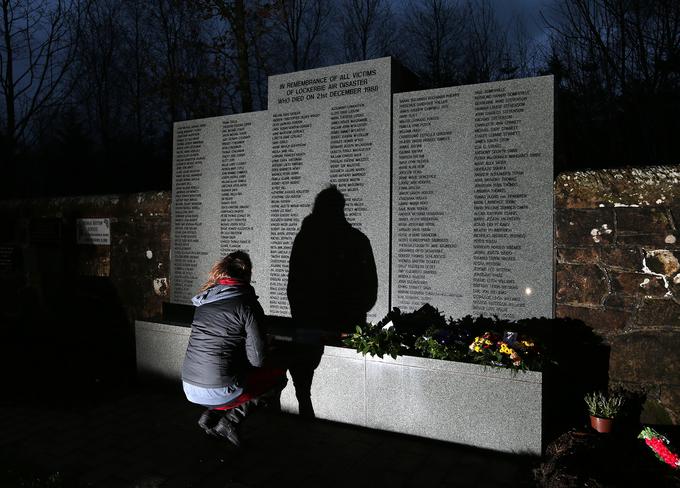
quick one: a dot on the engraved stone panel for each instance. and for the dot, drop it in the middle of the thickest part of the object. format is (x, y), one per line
(330, 126)
(220, 182)
(472, 203)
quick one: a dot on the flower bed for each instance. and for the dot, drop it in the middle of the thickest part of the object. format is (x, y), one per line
(427, 333)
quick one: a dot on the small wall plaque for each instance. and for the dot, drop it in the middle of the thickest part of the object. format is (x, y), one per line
(93, 231)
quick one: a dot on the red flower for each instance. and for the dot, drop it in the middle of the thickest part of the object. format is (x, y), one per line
(663, 452)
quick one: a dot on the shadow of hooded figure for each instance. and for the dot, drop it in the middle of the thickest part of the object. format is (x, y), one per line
(332, 284)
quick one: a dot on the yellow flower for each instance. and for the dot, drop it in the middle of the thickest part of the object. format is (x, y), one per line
(478, 344)
(506, 350)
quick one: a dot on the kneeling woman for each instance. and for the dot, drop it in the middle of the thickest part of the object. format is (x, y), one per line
(226, 342)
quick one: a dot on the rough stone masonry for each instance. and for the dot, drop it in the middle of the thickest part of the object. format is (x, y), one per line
(617, 249)
(617, 252)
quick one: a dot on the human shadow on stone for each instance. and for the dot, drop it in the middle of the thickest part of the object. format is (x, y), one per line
(332, 284)
(332, 280)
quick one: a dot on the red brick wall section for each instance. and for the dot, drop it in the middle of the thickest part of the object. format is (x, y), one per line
(617, 237)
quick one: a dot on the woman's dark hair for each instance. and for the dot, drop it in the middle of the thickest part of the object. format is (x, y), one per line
(236, 265)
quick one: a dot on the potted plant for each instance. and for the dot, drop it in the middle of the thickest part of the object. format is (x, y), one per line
(603, 409)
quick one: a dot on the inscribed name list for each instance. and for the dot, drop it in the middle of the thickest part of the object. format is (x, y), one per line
(330, 126)
(472, 203)
(220, 172)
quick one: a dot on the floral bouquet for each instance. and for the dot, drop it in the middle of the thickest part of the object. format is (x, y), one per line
(490, 348)
(659, 444)
(427, 333)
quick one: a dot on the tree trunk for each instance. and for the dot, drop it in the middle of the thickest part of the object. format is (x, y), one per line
(242, 54)
(9, 79)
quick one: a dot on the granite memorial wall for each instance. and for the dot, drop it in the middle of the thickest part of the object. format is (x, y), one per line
(331, 125)
(220, 173)
(452, 187)
(473, 177)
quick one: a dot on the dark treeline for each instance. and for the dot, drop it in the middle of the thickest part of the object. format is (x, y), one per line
(89, 88)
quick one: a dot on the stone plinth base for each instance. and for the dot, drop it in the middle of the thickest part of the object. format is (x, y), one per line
(492, 408)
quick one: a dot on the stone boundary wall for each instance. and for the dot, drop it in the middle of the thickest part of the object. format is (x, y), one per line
(617, 239)
(617, 245)
(41, 234)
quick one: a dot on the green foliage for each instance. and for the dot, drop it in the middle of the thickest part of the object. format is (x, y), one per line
(397, 333)
(374, 340)
(429, 347)
(603, 406)
(427, 333)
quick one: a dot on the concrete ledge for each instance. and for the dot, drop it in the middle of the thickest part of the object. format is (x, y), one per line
(493, 408)
(338, 389)
(487, 407)
(160, 349)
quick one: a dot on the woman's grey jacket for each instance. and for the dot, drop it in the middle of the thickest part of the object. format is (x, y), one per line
(226, 337)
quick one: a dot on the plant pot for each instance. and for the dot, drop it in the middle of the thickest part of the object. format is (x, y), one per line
(602, 425)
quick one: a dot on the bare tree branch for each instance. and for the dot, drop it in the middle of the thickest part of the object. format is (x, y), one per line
(36, 49)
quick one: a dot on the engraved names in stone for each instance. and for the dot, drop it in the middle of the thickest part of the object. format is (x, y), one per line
(431, 208)
(350, 147)
(491, 145)
(472, 187)
(245, 181)
(499, 206)
(289, 198)
(189, 158)
(220, 174)
(330, 125)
